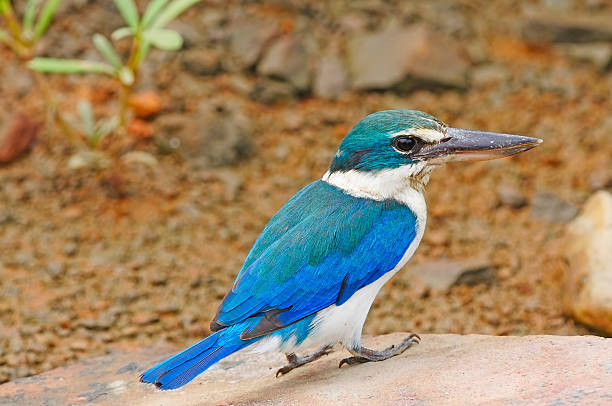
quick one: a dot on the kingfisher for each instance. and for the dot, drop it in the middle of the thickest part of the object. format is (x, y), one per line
(311, 277)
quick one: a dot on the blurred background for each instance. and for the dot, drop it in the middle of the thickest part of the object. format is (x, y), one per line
(133, 240)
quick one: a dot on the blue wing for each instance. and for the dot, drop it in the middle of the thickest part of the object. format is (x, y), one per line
(318, 250)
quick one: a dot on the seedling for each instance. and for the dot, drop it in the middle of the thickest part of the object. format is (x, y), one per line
(94, 131)
(146, 31)
(23, 35)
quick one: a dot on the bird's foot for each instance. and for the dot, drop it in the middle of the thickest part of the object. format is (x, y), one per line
(363, 354)
(295, 361)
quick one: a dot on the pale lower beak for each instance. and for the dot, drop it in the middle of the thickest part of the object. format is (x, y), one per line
(468, 145)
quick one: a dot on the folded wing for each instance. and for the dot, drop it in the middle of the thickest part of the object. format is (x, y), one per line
(318, 250)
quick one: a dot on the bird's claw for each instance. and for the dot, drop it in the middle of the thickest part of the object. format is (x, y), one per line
(353, 361)
(284, 370)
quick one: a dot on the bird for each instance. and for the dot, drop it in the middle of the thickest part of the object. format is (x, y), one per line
(311, 276)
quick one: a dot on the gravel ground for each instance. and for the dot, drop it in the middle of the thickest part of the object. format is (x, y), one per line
(134, 255)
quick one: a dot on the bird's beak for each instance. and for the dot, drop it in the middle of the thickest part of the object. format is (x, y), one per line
(468, 145)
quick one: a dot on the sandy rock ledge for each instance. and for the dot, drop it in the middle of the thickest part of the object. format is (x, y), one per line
(443, 369)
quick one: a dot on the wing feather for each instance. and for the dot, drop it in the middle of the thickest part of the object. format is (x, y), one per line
(319, 249)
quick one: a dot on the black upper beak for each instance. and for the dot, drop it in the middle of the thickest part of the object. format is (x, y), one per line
(468, 145)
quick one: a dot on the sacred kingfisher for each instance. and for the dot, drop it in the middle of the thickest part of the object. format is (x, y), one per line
(313, 273)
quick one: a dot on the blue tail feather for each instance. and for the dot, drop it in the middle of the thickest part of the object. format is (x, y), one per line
(181, 368)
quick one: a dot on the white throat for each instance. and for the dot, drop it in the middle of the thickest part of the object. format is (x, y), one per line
(397, 184)
(382, 184)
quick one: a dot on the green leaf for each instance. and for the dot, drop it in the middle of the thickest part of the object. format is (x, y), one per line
(54, 65)
(5, 6)
(45, 17)
(129, 12)
(165, 39)
(28, 15)
(152, 11)
(86, 115)
(126, 76)
(106, 50)
(173, 10)
(121, 33)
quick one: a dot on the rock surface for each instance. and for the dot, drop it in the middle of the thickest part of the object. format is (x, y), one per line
(444, 273)
(410, 57)
(588, 283)
(443, 369)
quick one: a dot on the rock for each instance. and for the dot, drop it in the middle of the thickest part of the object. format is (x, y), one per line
(587, 293)
(443, 369)
(287, 59)
(547, 206)
(405, 58)
(598, 54)
(16, 135)
(330, 78)
(216, 136)
(442, 274)
(248, 40)
(568, 28)
(201, 61)
(146, 104)
(270, 91)
(510, 195)
(140, 129)
(489, 74)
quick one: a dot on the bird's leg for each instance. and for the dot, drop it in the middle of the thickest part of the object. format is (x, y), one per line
(363, 354)
(295, 361)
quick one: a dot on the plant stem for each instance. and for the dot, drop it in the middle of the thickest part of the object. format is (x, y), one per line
(126, 90)
(12, 22)
(124, 100)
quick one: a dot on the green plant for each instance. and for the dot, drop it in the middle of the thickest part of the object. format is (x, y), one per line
(94, 131)
(146, 31)
(23, 35)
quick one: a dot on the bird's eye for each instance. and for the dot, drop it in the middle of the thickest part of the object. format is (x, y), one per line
(404, 143)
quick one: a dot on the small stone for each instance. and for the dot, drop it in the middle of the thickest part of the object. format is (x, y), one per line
(442, 274)
(489, 74)
(598, 54)
(269, 91)
(287, 58)
(201, 61)
(71, 249)
(140, 129)
(56, 269)
(549, 207)
(79, 345)
(330, 78)
(587, 293)
(248, 40)
(219, 136)
(511, 196)
(16, 136)
(571, 28)
(146, 104)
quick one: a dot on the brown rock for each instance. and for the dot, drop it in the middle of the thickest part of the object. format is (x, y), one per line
(16, 136)
(140, 129)
(146, 104)
(405, 58)
(443, 369)
(588, 282)
(442, 274)
(287, 59)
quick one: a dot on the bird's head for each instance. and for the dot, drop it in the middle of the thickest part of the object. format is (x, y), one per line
(409, 143)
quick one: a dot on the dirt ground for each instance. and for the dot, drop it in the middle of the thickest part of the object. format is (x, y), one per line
(134, 256)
